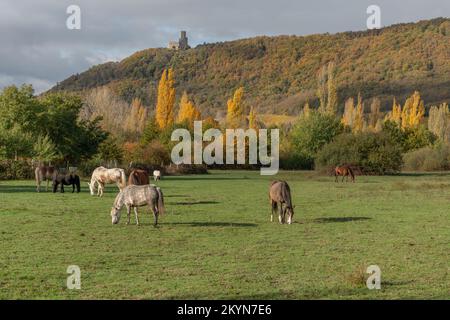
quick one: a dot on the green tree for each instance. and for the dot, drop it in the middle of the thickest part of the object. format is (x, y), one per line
(313, 132)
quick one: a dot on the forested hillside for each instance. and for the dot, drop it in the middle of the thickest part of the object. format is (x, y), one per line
(279, 74)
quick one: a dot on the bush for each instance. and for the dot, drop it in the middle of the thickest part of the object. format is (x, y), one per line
(375, 153)
(428, 159)
(16, 169)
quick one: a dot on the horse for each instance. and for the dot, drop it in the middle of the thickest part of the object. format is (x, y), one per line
(344, 171)
(156, 175)
(138, 196)
(66, 180)
(102, 176)
(279, 195)
(42, 173)
(138, 177)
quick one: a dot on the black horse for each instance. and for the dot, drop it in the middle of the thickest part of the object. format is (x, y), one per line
(66, 180)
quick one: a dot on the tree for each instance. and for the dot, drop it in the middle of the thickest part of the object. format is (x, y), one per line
(413, 111)
(374, 115)
(45, 150)
(151, 131)
(306, 111)
(187, 113)
(332, 101)
(136, 119)
(438, 121)
(252, 119)
(165, 100)
(236, 110)
(396, 114)
(348, 117)
(310, 134)
(359, 124)
(322, 89)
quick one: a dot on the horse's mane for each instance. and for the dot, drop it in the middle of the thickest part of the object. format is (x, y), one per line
(118, 198)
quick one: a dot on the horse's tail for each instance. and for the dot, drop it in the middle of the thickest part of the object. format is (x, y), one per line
(123, 179)
(160, 205)
(350, 170)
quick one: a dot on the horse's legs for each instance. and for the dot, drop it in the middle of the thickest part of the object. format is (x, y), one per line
(136, 215)
(280, 213)
(62, 187)
(46, 188)
(100, 189)
(155, 214)
(274, 206)
(128, 214)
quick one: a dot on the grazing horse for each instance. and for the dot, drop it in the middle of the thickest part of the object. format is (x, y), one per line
(138, 177)
(44, 173)
(344, 171)
(102, 176)
(138, 196)
(66, 180)
(279, 195)
(156, 175)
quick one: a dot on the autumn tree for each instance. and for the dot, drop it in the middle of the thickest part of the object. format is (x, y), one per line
(187, 113)
(236, 110)
(136, 119)
(332, 101)
(252, 119)
(359, 124)
(348, 117)
(413, 111)
(374, 116)
(322, 89)
(306, 111)
(438, 121)
(395, 115)
(165, 100)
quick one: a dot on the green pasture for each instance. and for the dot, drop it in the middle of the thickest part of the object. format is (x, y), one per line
(216, 240)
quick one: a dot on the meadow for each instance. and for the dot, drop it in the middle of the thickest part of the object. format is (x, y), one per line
(216, 240)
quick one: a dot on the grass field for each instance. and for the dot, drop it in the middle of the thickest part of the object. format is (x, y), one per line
(216, 240)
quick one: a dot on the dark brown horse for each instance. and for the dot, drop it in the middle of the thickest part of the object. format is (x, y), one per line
(44, 173)
(138, 177)
(345, 171)
(66, 180)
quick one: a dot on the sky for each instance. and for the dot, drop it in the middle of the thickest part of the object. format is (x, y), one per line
(37, 47)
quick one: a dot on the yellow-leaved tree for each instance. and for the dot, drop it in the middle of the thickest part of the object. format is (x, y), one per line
(236, 110)
(166, 100)
(188, 113)
(252, 119)
(358, 124)
(396, 114)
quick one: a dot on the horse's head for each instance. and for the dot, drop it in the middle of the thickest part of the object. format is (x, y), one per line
(290, 212)
(115, 215)
(91, 188)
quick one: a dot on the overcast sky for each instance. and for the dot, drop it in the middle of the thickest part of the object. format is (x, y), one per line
(36, 47)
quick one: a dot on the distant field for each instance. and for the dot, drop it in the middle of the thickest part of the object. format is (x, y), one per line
(216, 240)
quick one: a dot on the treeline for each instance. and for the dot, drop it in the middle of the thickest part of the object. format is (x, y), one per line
(279, 73)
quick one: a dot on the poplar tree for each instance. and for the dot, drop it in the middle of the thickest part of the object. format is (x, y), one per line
(187, 113)
(166, 100)
(236, 110)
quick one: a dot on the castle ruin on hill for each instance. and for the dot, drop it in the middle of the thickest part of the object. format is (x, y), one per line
(181, 44)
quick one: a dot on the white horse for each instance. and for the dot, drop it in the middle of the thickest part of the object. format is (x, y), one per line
(138, 196)
(156, 175)
(102, 176)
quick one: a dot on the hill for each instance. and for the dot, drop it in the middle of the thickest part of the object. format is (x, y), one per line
(279, 73)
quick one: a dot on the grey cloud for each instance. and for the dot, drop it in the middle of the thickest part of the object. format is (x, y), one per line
(36, 47)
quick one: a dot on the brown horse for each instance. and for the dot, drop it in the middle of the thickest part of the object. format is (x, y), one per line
(44, 173)
(138, 177)
(279, 195)
(345, 171)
